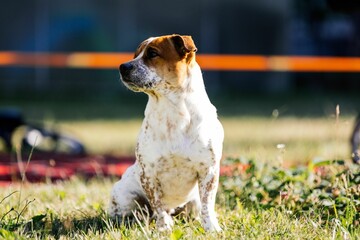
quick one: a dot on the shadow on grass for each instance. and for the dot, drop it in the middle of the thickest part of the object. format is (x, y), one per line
(45, 225)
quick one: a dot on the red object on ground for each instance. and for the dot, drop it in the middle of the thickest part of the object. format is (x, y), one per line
(48, 166)
(53, 166)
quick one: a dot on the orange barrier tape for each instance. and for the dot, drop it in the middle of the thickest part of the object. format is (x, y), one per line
(232, 62)
(315, 64)
(207, 61)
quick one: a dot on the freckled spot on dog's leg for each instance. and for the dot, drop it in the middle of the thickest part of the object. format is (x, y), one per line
(114, 202)
(210, 185)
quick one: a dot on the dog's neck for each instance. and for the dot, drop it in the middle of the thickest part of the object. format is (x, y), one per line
(188, 101)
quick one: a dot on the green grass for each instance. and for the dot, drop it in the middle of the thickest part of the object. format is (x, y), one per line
(252, 137)
(263, 202)
(283, 194)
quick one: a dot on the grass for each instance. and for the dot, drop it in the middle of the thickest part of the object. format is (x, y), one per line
(263, 202)
(253, 137)
(291, 188)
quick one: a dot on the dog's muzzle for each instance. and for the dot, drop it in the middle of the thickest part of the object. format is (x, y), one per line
(136, 77)
(125, 70)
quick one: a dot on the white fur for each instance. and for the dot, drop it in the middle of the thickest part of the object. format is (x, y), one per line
(178, 156)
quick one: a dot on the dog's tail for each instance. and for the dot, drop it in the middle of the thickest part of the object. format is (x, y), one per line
(355, 141)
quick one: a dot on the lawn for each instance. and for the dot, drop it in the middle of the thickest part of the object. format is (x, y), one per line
(254, 137)
(259, 201)
(289, 185)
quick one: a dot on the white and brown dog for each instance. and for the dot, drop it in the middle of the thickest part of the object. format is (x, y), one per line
(180, 142)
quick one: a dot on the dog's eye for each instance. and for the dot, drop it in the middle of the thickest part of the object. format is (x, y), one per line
(151, 53)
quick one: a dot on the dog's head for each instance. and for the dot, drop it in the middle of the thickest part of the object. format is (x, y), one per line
(159, 63)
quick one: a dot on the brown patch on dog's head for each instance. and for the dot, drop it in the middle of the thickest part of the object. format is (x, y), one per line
(171, 56)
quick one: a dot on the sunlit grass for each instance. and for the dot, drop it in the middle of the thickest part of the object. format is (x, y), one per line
(255, 137)
(76, 209)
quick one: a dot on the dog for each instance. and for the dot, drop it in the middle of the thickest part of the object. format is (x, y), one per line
(179, 146)
(355, 141)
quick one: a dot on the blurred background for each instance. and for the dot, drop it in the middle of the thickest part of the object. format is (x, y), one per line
(258, 27)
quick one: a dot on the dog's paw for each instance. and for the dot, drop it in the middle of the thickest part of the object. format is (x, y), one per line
(211, 225)
(164, 222)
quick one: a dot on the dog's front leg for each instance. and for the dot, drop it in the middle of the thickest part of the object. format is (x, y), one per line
(164, 221)
(208, 184)
(153, 191)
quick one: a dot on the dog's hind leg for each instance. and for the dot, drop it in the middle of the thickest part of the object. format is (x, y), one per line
(127, 195)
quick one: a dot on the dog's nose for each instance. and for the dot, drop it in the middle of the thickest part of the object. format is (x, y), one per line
(125, 68)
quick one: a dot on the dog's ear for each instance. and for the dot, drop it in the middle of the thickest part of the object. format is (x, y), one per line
(183, 44)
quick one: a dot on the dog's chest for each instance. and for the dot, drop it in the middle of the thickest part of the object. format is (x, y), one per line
(174, 178)
(170, 130)
(171, 143)
(175, 170)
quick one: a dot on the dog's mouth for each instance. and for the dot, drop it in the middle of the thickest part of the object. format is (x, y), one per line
(128, 82)
(125, 79)
(135, 85)
(136, 88)
(130, 85)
